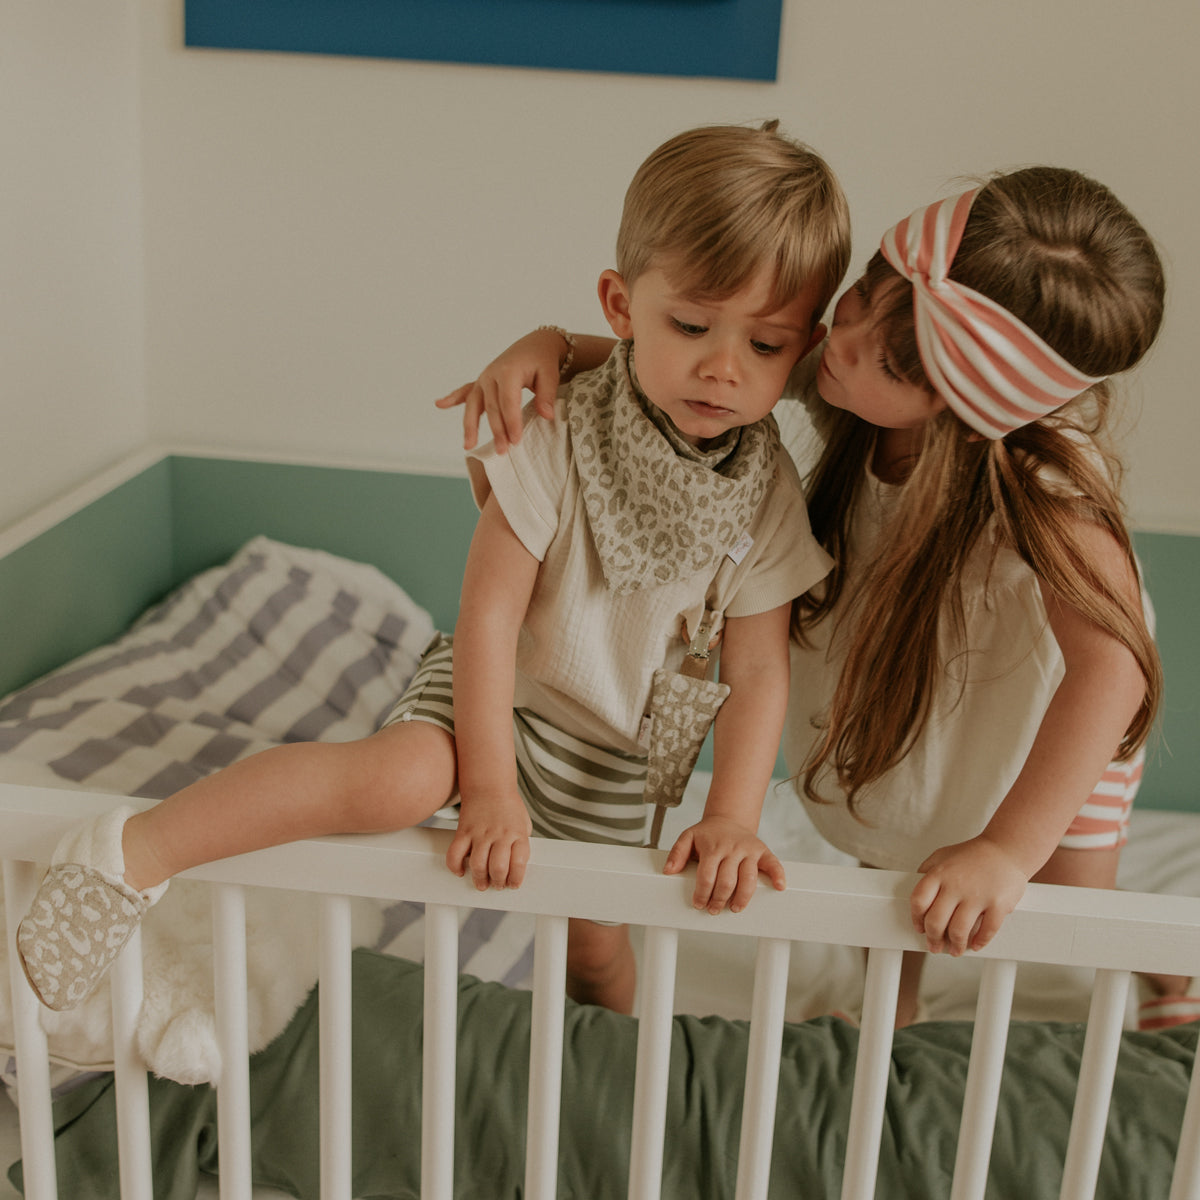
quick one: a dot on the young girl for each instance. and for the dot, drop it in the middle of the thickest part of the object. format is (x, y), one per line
(980, 653)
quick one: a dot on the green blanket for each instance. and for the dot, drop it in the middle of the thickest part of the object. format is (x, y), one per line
(704, 1107)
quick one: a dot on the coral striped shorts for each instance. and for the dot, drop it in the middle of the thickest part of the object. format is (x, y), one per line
(1103, 822)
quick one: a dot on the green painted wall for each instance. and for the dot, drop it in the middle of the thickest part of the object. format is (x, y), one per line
(86, 579)
(1171, 563)
(415, 528)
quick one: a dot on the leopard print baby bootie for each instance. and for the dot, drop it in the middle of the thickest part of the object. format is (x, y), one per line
(82, 915)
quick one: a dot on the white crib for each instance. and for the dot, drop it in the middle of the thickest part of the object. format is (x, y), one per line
(1115, 933)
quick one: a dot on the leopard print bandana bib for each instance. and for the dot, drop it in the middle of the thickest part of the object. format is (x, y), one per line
(659, 509)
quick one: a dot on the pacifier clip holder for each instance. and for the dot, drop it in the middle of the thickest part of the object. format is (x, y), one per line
(683, 706)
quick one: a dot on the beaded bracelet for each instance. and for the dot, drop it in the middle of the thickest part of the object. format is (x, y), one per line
(569, 338)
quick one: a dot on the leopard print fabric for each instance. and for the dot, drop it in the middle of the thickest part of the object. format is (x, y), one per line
(658, 509)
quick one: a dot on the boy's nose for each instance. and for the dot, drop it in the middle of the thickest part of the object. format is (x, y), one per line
(720, 363)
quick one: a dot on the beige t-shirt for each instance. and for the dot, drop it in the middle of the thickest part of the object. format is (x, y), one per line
(948, 785)
(586, 655)
(964, 762)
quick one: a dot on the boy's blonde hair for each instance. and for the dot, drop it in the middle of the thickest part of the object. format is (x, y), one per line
(712, 206)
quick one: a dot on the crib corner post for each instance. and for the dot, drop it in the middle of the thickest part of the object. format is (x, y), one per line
(33, 1063)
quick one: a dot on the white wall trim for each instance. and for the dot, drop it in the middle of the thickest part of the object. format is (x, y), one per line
(78, 498)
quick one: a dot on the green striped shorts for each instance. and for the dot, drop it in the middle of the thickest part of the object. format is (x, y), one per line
(574, 791)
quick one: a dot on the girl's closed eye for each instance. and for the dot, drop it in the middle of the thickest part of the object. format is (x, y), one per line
(886, 367)
(765, 348)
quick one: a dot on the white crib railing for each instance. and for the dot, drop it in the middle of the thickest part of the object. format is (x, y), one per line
(1113, 933)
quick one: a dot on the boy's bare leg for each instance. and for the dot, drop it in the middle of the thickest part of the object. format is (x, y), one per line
(393, 779)
(908, 1000)
(601, 968)
(908, 997)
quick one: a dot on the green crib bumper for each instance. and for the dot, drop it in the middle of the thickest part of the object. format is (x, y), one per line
(708, 1062)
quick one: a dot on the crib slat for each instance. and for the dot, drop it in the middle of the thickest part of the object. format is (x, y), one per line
(33, 1064)
(659, 954)
(440, 1052)
(1106, 1016)
(984, 1073)
(233, 1090)
(871, 1073)
(133, 1097)
(762, 1069)
(545, 1057)
(1185, 1182)
(335, 1011)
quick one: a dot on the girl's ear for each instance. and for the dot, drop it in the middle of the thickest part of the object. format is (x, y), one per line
(614, 296)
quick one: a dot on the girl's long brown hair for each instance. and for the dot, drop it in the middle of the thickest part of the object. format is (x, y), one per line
(1062, 253)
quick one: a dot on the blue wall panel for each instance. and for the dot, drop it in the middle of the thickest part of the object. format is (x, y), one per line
(730, 38)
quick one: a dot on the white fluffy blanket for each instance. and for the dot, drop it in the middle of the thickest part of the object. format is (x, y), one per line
(176, 1029)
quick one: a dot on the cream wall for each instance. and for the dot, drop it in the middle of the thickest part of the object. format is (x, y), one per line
(330, 243)
(72, 353)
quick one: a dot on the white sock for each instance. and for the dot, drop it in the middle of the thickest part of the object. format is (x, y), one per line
(97, 844)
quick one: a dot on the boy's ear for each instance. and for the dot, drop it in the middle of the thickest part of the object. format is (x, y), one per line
(614, 300)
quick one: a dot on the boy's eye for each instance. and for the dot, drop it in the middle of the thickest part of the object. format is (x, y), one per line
(765, 347)
(688, 328)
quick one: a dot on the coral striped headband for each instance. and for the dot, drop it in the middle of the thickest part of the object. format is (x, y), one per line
(995, 373)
